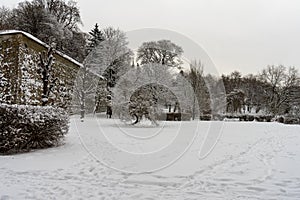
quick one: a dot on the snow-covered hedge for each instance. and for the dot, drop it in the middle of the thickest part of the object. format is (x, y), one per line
(288, 119)
(23, 128)
(244, 117)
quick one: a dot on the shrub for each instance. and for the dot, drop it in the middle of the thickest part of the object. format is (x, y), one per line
(218, 117)
(162, 116)
(186, 116)
(173, 117)
(287, 119)
(206, 117)
(279, 119)
(23, 128)
(291, 120)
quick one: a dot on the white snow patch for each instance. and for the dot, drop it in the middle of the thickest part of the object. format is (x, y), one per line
(251, 161)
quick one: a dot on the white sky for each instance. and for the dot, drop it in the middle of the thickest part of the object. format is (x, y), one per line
(244, 35)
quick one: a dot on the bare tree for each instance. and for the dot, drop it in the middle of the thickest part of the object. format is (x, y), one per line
(33, 18)
(235, 101)
(5, 16)
(46, 62)
(66, 13)
(232, 81)
(255, 93)
(195, 77)
(294, 101)
(85, 89)
(279, 80)
(201, 95)
(142, 90)
(162, 52)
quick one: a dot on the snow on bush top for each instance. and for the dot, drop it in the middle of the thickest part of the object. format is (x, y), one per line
(33, 113)
(31, 127)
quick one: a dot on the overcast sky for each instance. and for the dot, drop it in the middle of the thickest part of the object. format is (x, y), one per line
(244, 35)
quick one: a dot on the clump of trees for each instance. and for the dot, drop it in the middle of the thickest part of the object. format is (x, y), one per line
(143, 91)
(108, 58)
(272, 91)
(105, 53)
(114, 55)
(52, 21)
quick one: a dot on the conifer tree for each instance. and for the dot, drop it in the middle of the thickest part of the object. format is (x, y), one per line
(96, 37)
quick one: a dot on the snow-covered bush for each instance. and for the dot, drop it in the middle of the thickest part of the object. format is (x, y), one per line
(287, 119)
(23, 128)
(206, 117)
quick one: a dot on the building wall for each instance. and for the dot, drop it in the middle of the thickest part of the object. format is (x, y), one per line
(20, 68)
(9, 71)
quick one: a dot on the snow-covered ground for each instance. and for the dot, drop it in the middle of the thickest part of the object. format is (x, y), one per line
(251, 160)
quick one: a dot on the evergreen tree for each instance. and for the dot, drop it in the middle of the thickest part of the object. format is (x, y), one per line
(112, 57)
(96, 37)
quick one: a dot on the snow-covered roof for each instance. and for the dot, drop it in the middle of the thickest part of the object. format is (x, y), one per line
(8, 32)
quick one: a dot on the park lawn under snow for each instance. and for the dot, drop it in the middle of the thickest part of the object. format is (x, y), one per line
(251, 160)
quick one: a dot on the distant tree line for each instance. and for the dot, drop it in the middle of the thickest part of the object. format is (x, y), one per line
(273, 91)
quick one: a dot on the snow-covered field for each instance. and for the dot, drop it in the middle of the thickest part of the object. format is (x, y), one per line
(250, 161)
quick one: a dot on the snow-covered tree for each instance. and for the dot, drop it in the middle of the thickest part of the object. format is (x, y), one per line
(96, 36)
(85, 89)
(255, 93)
(32, 17)
(45, 63)
(197, 81)
(235, 101)
(5, 16)
(102, 96)
(111, 58)
(185, 91)
(217, 94)
(142, 104)
(67, 36)
(65, 13)
(162, 52)
(294, 101)
(232, 81)
(144, 91)
(52, 21)
(279, 80)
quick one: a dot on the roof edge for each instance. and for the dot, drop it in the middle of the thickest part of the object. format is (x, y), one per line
(28, 35)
